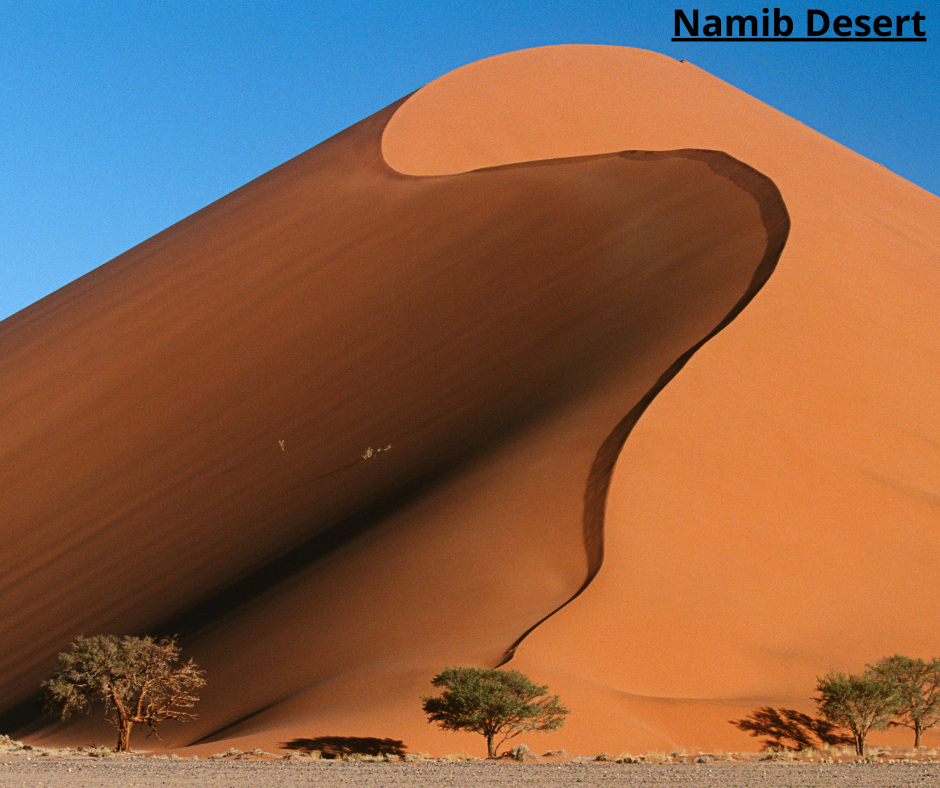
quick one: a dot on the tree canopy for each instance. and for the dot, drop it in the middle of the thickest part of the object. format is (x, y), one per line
(499, 704)
(916, 686)
(139, 681)
(859, 703)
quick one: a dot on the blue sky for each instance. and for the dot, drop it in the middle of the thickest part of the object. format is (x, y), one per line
(120, 118)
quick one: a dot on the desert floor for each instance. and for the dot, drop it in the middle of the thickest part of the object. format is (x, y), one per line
(89, 773)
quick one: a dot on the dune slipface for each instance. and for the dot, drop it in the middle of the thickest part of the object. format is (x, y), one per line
(357, 420)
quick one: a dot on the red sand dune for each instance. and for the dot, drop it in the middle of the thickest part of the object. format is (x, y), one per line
(477, 278)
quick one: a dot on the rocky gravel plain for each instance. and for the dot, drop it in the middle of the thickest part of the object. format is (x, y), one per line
(19, 772)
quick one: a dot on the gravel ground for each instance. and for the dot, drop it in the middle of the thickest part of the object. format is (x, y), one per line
(149, 773)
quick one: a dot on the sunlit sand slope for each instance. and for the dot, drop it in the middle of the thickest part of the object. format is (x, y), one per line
(776, 511)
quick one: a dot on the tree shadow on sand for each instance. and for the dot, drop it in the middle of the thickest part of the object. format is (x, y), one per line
(790, 729)
(338, 746)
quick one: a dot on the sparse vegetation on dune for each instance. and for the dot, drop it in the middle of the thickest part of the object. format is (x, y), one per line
(519, 755)
(140, 681)
(856, 703)
(916, 687)
(498, 704)
(896, 691)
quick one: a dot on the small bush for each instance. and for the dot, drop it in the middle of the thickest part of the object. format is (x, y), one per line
(828, 751)
(520, 753)
(231, 752)
(44, 752)
(6, 743)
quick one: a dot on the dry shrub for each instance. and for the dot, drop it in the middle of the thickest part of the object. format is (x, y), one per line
(626, 757)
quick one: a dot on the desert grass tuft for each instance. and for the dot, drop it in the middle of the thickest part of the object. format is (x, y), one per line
(626, 757)
(521, 753)
(231, 752)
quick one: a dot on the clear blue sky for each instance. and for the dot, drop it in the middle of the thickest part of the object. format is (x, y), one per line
(120, 118)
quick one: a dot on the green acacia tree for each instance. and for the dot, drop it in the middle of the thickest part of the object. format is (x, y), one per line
(139, 680)
(499, 704)
(917, 687)
(857, 703)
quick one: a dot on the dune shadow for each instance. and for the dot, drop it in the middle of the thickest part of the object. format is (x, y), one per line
(790, 729)
(338, 746)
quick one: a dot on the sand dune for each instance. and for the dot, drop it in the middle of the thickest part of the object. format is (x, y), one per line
(775, 512)
(489, 281)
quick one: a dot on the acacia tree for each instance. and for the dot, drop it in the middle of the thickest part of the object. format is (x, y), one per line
(139, 681)
(917, 687)
(857, 703)
(493, 703)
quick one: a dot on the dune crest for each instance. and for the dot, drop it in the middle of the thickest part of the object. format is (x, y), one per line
(544, 103)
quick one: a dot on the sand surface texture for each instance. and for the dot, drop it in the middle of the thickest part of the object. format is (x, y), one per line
(359, 419)
(154, 774)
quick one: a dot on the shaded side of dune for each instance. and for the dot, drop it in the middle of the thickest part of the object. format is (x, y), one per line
(341, 422)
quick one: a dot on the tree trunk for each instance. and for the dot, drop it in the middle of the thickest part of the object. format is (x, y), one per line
(124, 735)
(490, 747)
(917, 732)
(860, 743)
